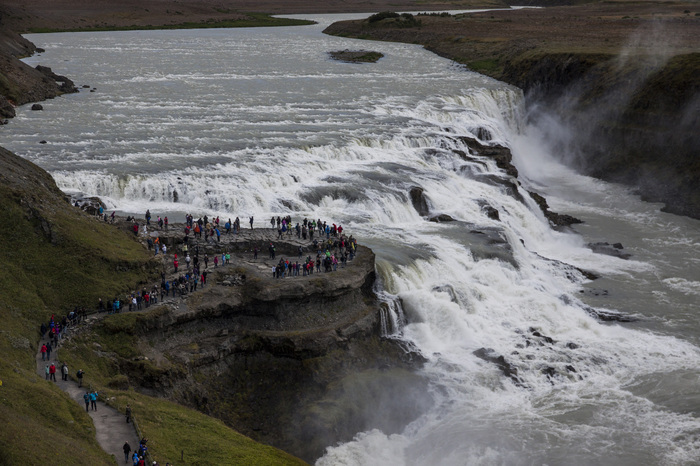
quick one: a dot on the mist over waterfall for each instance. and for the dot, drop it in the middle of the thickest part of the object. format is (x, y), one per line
(521, 370)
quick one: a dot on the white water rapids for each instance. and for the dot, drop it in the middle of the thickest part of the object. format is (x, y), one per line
(261, 122)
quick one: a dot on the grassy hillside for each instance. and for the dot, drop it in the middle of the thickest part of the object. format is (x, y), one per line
(55, 257)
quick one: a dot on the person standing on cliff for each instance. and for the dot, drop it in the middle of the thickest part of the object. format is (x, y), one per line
(128, 413)
(251, 222)
(148, 216)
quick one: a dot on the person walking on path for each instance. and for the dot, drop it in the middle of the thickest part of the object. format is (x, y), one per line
(86, 398)
(52, 372)
(43, 352)
(80, 377)
(127, 450)
(128, 413)
(48, 351)
(93, 400)
(64, 372)
(46, 371)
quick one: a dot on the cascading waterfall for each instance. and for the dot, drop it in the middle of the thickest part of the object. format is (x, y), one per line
(224, 131)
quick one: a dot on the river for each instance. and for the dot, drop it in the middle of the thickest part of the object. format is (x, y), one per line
(241, 122)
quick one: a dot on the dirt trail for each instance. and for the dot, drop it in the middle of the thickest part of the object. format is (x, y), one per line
(111, 428)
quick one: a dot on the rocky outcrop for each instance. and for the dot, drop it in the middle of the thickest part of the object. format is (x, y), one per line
(356, 56)
(20, 83)
(555, 219)
(284, 361)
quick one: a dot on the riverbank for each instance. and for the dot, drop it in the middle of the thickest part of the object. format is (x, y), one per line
(621, 79)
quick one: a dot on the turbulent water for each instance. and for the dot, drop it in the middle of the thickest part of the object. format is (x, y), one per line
(261, 122)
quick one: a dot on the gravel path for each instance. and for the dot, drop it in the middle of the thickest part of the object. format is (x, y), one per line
(111, 428)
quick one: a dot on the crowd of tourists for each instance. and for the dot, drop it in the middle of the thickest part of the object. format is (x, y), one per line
(333, 248)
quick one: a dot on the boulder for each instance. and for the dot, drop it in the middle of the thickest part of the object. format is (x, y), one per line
(36, 107)
(419, 201)
(608, 249)
(7, 110)
(509, 370)
(441, 218)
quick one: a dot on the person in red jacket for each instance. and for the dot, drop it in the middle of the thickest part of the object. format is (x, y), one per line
(52, 372)
(175, 263)
(43, 352)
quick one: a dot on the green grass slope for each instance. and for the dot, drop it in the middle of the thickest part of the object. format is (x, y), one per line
(54, 257)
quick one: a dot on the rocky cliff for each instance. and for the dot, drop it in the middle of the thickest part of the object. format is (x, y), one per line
(20, 83)
(298, 363)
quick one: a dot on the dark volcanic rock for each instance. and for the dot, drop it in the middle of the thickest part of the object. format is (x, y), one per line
(37, 107)
(441, 218)
(557, 220)
(608, 249)
(419, 201)
(67, 86)
(491, 212)
(500, 154)
(609, 316)
(509, 370)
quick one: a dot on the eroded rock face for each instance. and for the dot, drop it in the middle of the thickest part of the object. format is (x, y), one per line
(298, 363)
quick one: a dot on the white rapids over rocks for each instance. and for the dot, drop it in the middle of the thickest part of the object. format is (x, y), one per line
(261, 122)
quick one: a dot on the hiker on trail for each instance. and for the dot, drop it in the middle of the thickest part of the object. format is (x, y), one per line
(128, 413)
(64, 371)
(187, 261)
(112, 216)
(216, 260)
(46, 372)
(255, 252)
(79, 375)
(148, 217)
(251, 222)
(127, 450)
(175, 263)
(135, 459)
(86, 398)
(135, 227)
(228, 257)
(52, 372)
(164, 248)
(93, 400)
(165, 222)
(48, 346)
(43, 352)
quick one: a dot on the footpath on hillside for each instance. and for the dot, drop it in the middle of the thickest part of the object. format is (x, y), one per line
(111, 428)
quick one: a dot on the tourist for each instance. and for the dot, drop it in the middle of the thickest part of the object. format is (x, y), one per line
(93, 400)
(126, 448)
(86, 398)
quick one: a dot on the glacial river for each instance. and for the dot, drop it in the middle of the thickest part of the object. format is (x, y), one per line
(261, 122)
